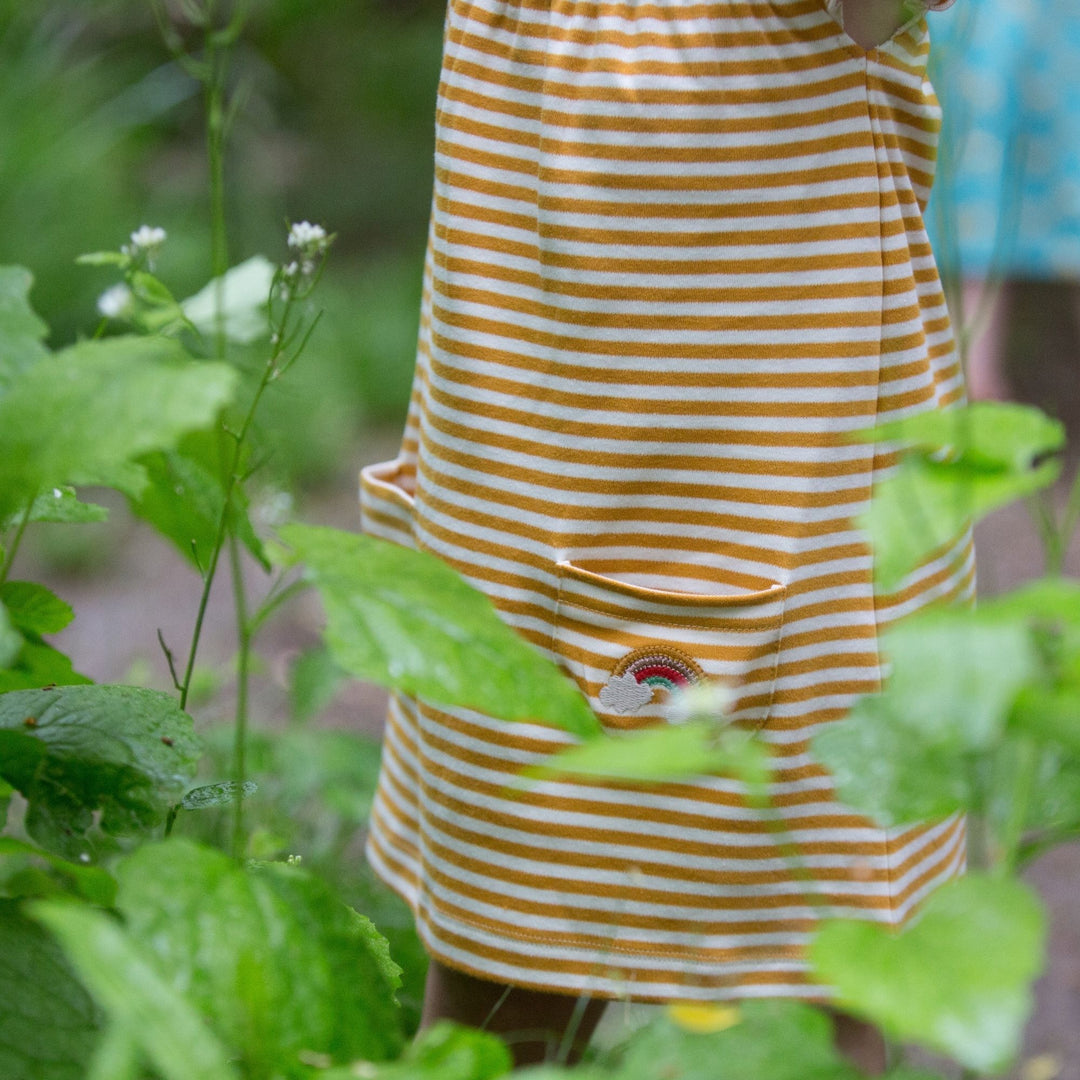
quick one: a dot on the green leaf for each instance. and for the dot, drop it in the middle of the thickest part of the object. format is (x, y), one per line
(665, 753)
(11, 641)
(246, 292)
(1049, 599)
(116, 1056)
(75, 750)
(21, 331)
(405, 619)
(48, 1023)
(223, 794)
(60, 505)
(104, 258)
(269, 952)
(1050, 714)
(40, 665)
(6, 791)
(184, 501)
(34, 608)
(773, 1040)
(89, 882)
(904, 755)
(315, 680)
(925, 505)
(84, 415)
(157, 311)
(444, 1051)
(957, 980)
(992, 435)
(168, 1029)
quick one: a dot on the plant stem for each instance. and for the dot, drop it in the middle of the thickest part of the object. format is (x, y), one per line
(17, 539)
(1024, 783)
(1071, 516)
(243, 668)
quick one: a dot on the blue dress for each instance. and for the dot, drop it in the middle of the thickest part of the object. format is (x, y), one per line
(1007, 199)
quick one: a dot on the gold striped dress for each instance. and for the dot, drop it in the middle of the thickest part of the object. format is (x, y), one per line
(676, 255)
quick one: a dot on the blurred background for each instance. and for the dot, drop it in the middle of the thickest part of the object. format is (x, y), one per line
(101, 132)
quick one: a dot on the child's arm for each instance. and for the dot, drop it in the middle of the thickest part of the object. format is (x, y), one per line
(871, 22)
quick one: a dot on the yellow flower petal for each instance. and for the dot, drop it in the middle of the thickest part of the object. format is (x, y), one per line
(703, 1017)
(1042, 1067)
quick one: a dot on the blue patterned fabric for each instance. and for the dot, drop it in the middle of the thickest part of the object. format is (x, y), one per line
(1008, 195)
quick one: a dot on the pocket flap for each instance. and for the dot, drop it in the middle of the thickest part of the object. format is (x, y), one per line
(386, 501)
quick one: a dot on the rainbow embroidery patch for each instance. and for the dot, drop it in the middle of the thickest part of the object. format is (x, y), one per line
(638, 675)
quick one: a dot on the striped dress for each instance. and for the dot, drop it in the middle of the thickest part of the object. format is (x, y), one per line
(676, 255)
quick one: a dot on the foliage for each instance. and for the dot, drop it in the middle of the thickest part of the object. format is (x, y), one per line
(137, 956)
(404, 619)
(71, 751)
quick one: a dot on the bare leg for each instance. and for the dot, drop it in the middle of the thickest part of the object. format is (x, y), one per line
(537, 1026)
(986, 347)
(861, 1043)
(540, 1026)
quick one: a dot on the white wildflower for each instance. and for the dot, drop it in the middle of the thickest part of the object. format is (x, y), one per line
(116, 302)
(700, 701)
(303, 236)
(310, 242)
(146, 242)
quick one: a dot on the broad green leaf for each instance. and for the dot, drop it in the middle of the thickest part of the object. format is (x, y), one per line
(904, 755)
(1050, 714)
(314, 680)
(957, 980)
(116, 1056)
(90, 882)
(157, 310)
(21, 331)
(75, 750)
(925, 505)
(11, 641)
(58, 505)
(84, 415)
(886, 772)
(246, 289)
(6, 791)
(405, 619)
(48, 1023)
(1049, 599)
(665, 753)
(184, 501)
(35, 608)
(223, 794)
(773, 1040)
(268, 951)
(444, 1051)
(990, 435)
(40, 665)
(123, 979)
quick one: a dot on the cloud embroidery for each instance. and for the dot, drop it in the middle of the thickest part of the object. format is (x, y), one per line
(624, 694)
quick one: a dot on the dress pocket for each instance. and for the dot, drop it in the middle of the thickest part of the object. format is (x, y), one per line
(629, 646)
(386, 501)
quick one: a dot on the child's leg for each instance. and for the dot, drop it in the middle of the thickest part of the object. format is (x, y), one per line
(860, 1042)
(537, 1026)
